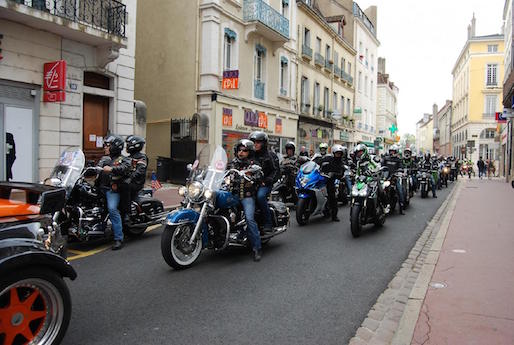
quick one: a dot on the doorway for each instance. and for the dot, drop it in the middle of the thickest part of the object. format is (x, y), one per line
(95, 125)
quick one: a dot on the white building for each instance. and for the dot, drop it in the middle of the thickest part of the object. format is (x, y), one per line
(387, 106)
(366, 44)
(97, 43)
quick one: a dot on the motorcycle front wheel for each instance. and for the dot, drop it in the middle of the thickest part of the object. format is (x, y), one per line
(302, 211)
(35, 307)
(355, 221)
(175, 247)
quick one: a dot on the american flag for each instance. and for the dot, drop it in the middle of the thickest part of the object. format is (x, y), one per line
(155, 182)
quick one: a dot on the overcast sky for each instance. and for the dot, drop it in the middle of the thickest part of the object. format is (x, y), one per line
(421, 41)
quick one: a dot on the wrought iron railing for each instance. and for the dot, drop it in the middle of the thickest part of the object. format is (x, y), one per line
(264, 13)
(319, 59)
(283, 92)
(259, 89)
(357, 12)
(107, 15)
(337, 72)
(328, 65)
(350, 79)
(307, 51)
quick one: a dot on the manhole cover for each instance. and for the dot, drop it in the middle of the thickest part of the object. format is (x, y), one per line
(437, 285)
(458, 251)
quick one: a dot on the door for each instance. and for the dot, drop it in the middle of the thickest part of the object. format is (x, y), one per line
(19, 143)
(95, 125)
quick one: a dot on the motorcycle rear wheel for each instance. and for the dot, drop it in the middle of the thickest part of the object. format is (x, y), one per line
(175, 248)
(302, 211)
(355, 221)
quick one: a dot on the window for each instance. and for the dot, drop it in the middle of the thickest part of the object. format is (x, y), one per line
(228, 49)
(371, 90)
(349, 106)
(490, 106)
(285, 8)
(328, 54)
(318, 45)
(325, 101)
(372, 62)
(334, 102)
(305, 94)
(315, 110)
(336, 58)
(343, 63)
(366, 85)
(488, 133)
(492, 48)
(360, 81)
(360, 48)
(342, 109)
(492, 74)
(259, 65)
(259, 72)
(349, 71)
(283, 76)
(307, 37)
(366, 57)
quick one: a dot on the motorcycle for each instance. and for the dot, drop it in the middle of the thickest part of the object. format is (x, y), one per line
(311, 187)
(212, 217)
(343, 194)
(366, 207)
(424, 182)
(390, 189)
(85, 216)
(445, 174)
(283, 190)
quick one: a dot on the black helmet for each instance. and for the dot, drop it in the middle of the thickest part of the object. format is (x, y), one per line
(291, 145)
(259, 136)
(248, 144)
(134, 144)
(115, 143)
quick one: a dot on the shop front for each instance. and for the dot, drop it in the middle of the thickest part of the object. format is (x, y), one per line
(342, 137)
(236, 122)
(312, 132)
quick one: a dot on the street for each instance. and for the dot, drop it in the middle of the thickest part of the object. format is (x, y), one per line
(314, 285)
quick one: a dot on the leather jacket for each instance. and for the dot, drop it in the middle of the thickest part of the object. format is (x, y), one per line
(120, 171)
(240, 186)
(268, 161)
(139, 163)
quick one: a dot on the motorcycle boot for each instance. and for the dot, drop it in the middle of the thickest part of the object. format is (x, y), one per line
(257, 255)
(117, 245)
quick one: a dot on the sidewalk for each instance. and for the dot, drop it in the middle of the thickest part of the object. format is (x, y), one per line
(470, 299)
(168, 194)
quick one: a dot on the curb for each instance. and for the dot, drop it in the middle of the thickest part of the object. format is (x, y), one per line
(393, 318)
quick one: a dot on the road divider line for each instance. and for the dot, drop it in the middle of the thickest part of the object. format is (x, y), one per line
(88, 253)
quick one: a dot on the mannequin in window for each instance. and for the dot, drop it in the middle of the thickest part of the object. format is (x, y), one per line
(10, 156)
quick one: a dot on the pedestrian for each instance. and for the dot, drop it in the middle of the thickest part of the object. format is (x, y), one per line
(481, 167)
(10, 156)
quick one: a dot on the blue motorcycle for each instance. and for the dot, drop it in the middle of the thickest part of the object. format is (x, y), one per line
(311, 187)
(212, 217)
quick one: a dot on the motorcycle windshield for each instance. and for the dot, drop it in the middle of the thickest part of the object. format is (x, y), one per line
(215, 171)
(68, 168)
(308, 167)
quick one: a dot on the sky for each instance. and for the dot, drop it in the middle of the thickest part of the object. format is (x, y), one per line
(421, 41)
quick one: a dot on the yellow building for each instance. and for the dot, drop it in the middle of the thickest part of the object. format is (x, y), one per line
(325, 75)
(477, 96)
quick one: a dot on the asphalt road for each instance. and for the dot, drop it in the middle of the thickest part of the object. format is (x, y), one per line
(314, 285)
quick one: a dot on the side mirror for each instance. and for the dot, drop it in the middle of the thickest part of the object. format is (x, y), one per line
(189, 167)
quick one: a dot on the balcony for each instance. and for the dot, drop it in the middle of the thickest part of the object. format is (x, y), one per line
(328, 65)
(259, 87)
(305, 107)
(319, 60)
(357, 12)
(307, 52)
(264, 20)
(337, 72)
(94, 22)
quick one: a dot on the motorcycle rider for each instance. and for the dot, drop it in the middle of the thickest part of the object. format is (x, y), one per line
(318, 157)
(366, 166)
(426, 164)
(333, 166)
(244, 153)
(394, 164)
(408, 162)
(116, 169)
(349, 163)
(268, 161)
(136, 181)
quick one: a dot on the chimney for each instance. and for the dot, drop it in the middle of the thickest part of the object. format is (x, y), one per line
(381, 65)
(371, 13)
(469, 32)
(473, 26)
(435, 110)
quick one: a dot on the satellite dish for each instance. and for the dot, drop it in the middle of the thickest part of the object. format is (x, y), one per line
(336, 115)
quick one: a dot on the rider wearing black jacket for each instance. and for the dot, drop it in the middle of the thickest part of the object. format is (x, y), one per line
(333, 166)
(268, 161)
(244, 152)
(116, 169)
(394, 164)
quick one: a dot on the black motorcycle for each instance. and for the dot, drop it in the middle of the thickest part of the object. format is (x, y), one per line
(424, 177)
(391, 191)
(85, 214)
(284, 189)
(366, 206)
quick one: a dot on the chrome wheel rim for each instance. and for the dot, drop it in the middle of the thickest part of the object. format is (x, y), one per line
(184, 253)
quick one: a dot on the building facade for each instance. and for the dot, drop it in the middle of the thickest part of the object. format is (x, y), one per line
(477, 91)
(366, 43)
(84, 93)
(232, 63)
(425, 134)
(325, 77)
(443, 129)
(387, 107)
(507, 129)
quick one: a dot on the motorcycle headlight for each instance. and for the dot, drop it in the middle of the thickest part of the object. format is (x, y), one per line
(424, 175)
(182, 191)
(304, 181)
(363, 191)
(386, 184)
(209, 194)
(194, 190)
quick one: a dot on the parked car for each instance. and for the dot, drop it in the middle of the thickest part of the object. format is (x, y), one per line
(35, 303)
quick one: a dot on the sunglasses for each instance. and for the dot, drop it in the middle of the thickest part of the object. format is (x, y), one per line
(243, 150)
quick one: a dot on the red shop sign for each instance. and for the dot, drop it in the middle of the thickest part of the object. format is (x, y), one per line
(263, 120)
(54, 81)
